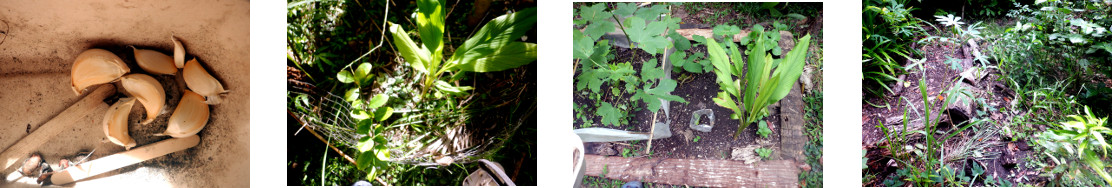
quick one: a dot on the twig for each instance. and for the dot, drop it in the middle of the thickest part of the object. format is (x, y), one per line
(382, 37)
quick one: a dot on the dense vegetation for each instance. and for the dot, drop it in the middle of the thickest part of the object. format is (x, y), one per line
(1052, 59)
(393, 91)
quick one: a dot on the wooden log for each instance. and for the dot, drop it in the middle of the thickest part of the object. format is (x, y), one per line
(791, 125)
(695, 172)
(91, 104)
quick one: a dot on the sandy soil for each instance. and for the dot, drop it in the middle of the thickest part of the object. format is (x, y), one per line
(40, 39)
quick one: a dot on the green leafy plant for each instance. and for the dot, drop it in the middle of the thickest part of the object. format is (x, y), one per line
(653, 96)
(762, 129)
(1080, 138)
(763, 85)
(763, 152)
(373, 152)
(697, 139)
(888, 30)
(1056, 41)
(644, 29)
(494, 47)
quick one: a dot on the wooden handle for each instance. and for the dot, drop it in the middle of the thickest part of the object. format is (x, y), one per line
(90, 104)
(122, 159)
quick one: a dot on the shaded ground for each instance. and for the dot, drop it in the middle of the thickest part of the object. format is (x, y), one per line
(991, 101)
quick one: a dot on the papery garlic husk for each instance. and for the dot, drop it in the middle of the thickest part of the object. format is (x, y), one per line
(95, 66)
(115, 123)
(154, 62)
(199, 80)
(179, 53)
(189, 117)
(148, 91)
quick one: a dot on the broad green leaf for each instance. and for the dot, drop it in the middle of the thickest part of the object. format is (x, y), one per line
(383, 113)
(416, 57)
(609, 114)
(647, 36)
(351, 94)
(430, 25)
(496, 57)
(377, 101)
(693, 67)
(364, 127)
(679, 41)
(651, 13)
(602, 49)
(345, 77)
(360, 114)
(677, 58)
(597, 29)
(699, 38)
(650, 70)
(792, 68)
(380, 148)
(584, 46)
(365, 159)
(625, 9)
(365, 144)
(363, 74)
(652, 96)
(496, 37)
(594, 13)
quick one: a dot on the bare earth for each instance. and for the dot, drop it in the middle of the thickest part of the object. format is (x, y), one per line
(39, 41)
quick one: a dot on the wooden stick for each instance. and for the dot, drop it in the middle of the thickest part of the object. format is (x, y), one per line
(122, 159)
(92, 103)
(695, 172)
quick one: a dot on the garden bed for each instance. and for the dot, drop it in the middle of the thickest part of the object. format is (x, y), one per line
(698, 89)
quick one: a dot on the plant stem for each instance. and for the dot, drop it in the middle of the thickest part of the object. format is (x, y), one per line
(652, 129)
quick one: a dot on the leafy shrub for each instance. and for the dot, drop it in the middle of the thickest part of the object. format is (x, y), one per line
(643, 29)
(1056, 39)
(887, 31)
(763, 85)
(1081, 138)
(495, 47)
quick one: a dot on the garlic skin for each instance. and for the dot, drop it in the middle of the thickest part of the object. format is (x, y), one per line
(148, 91)
(189, 117)
(154, 62)
(94, 67)
(115, 123)
(201, 82)
(179, 53)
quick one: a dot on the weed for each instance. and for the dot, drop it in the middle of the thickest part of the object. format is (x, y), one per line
(763, 152)
(762, 129)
